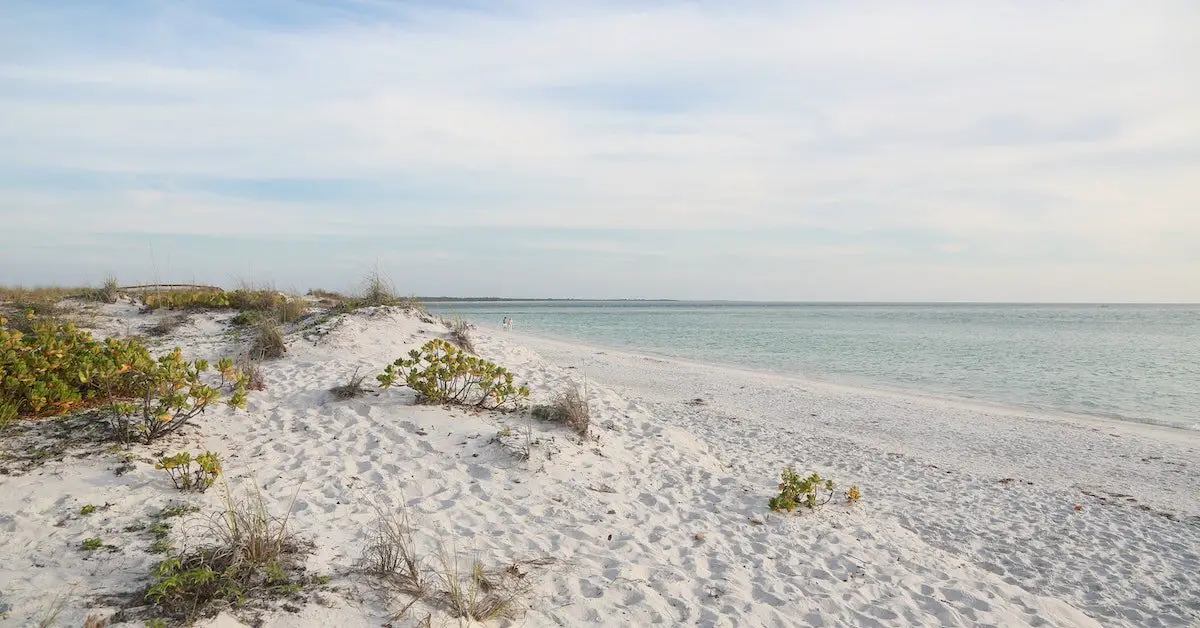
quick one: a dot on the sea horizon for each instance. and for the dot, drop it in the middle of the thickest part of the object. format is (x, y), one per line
(1126, 362)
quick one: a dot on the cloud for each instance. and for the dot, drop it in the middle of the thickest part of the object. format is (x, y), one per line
(876, 132)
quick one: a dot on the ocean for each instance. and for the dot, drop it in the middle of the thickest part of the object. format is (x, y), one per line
(1130, 362)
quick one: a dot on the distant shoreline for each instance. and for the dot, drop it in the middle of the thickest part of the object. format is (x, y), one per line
(808, 303)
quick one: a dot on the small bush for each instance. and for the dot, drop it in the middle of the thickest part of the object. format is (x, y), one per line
(198, 299)
(268, 342)
(474, 593)
(58, 368)
(184, 476)
(247, 299)
(254, 375)
(351, 389)
(253, 554)
(570, 407)
(167, 324)
(244, 319)
(392, 555)
(460, 332)
(172, 393)
(92, 544)
(441, 373)
(106, 293)
(86, 510)
(291, 310)
(795, 491)
(853, 495)
(242, 299)
(377, 290)
(480, 594)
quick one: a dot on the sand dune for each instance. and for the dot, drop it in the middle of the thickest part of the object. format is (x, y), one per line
(968, 514)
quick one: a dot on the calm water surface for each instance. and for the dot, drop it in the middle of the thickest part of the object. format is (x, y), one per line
(1132, 362)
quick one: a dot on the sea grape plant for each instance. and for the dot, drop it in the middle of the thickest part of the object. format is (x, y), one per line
(795, 491)
(58, 368)
(441, 373)
(184, 476)
(172, 392)
(214, 300)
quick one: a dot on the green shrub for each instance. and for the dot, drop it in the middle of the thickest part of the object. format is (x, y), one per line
(441, 373)
(92, 544)
(795, 491)
(244, 319)
(58, 368)
(184, 476)
(243, 299)
(214, 299)
(87, 510)
(254, 554)
(171, 393)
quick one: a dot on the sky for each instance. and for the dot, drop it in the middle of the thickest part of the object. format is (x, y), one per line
(770, 150)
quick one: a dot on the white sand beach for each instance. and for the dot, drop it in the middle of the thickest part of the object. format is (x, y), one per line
(970, 516)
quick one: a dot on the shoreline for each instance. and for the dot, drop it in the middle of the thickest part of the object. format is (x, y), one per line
(947, 472)
(970, 404)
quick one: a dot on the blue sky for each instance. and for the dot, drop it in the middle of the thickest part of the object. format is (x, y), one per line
(894, 150)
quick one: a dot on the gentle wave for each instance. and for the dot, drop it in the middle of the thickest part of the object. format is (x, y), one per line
(1129, 362)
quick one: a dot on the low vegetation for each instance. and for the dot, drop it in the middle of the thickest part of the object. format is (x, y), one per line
(441, 373)
(251, 554)
(195, 299)
(468, 591)
(267, 342)
(108, 292)
(59, 368)
(291, 310)
(254, 376)
(480, 594)
(460, 333)
(570, 407)
(191, 474)
(810, 492)
(42, 301)
(167, 324)
(392, 555)
(351, 389)
(171, 392)
(8, 415)
(376, 290)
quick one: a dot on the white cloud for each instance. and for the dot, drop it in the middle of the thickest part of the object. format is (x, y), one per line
(966, 122)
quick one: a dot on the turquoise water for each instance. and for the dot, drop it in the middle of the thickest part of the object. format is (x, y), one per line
(1132, 362)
